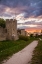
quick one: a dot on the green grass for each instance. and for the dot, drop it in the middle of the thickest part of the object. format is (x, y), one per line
(37, 57)
(8, 48)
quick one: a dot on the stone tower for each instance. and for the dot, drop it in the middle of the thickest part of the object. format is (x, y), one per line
(11, 26)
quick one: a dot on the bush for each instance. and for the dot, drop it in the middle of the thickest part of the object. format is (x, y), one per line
(21, 37)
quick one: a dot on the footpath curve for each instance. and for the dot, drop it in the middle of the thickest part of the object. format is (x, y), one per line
(24, 56)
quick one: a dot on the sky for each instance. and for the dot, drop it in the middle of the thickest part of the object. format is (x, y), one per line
(27, 12)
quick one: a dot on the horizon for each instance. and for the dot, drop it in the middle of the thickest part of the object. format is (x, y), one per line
(33, 30)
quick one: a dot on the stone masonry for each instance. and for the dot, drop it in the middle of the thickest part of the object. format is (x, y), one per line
(11, 26)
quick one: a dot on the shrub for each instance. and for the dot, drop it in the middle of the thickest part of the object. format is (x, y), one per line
(21, 37)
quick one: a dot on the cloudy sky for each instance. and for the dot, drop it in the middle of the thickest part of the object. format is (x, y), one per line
(27, 12)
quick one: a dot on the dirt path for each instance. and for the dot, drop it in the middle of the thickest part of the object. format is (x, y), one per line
(24, 56)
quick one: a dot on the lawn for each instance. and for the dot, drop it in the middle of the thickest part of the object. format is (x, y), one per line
(37, 57)
(8, 48)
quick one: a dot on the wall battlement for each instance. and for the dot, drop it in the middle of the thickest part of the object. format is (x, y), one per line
(10, 20)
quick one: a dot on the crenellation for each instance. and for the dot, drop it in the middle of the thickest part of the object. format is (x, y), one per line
(11, 20)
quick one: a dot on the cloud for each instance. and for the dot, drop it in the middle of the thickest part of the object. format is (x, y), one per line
(9, 12)
(31, 22)
(31, 7)
(27, 12)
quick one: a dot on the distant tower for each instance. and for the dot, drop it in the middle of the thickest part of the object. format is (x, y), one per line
(11, 26)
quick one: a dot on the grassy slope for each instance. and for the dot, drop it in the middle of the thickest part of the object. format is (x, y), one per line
(37, 57)
(7, 48)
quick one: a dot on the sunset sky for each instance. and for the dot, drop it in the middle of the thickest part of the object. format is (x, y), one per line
(27, 12)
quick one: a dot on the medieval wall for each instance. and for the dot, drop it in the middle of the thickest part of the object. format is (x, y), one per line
(10, 32)
(2, 34)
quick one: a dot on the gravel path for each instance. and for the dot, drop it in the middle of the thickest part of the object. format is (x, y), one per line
(24, 56)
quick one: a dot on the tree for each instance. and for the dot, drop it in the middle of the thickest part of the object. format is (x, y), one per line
(2, 22)
(31, 35)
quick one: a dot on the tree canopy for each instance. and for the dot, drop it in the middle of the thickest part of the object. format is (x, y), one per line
(2, 22)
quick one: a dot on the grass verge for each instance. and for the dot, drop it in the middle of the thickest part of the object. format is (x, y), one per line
(7, 48)
(37, 57)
